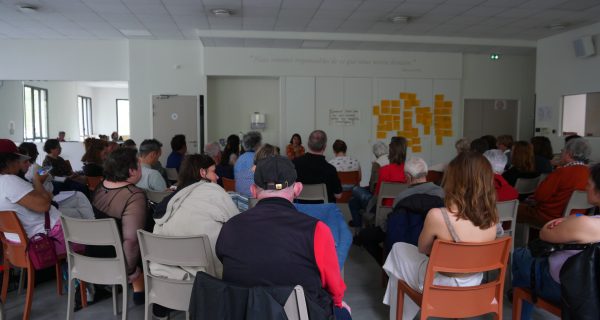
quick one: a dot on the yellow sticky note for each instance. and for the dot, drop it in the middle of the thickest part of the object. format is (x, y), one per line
(416, 102)
(395, 103)
(416, 140)
(379, 127)
(416, 149)
(395, 110)
(412, 96)
(403, 95)
(439, 97)
(408, 114)
(448, 104)
(407, 123)
(396, 118)
(408, 104)
(376, 110)
(409, 143)
(381, 134)
(385, 103)
(396, 125)
(385, 109)
(415, 132)
(438, 140)
(438, 103)
(427, 130)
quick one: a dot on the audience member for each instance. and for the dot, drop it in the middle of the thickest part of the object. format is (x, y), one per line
(542, 149)
(251, 245)
(93, 158)
(231, 150)
(183, 218)
(103, 137)
(552, 195)
(462, 145)
(570, 137)
(111, 146)
(312, 168)
(491, 141)
(504, 143)
(29, 201)
(393, 172)
(129, 143)
(150, 151)
(572, 229)
(412, 204)
(179, 149)
(479, 145)
(469, 215)
(117, 197)
(242, 169)
(522, 163)
(265, 151)
(380, 151)
(295, 148)
(114, 137)
(341, 161)
(214, 151)
(504, 191)
(61, 136)
(59, 167)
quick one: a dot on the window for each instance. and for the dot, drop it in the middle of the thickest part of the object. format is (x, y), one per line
(123, 117)
(84, 104)
(580, 114)
(35, 101)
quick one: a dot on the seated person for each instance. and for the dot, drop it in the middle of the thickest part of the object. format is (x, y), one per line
(469, 215)
(504, 143)
(572, 229)
(179, 149)
(242, 169)
(413, 203)
(380, 151)
(93, 158)
(342, 162)
(553, 194)
(198, 208)
(312, 168)
(117, 197)
(504, 191)
(251, 245)
(214, 151)
(295, 148)
(542, 149)
(61, 168)
(522, 163)
(150, 151)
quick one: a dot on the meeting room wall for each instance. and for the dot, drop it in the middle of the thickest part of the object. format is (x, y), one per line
(104, 109)
(560, 73)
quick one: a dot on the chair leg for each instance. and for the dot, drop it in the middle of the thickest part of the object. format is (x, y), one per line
(71, 296)
(147, 310)
(58, 273)
(29, 294)
(517, 304)
(83, 293)
(21, 281)
(114, 298)
(124, 306)
(5, 279)
(399, 304)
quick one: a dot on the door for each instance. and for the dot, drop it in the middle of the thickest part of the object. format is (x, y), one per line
(490, 116)
(173, 115)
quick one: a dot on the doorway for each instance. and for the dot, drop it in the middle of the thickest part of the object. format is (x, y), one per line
(490, 116)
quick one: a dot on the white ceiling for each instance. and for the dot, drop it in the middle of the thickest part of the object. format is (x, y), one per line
(280, 21)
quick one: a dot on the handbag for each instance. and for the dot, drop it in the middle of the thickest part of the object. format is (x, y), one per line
(541, 248)
(41, 247)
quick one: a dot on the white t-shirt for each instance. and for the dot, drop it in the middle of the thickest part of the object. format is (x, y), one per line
(344, 164)
(12, 189)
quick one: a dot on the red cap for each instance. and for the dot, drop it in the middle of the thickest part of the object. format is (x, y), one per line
(7, 146)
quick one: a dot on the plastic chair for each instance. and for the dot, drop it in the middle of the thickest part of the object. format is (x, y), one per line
(460, 302)
(527, 186)
(543, 177)
(157, 196)
(295, 306)
(109, 271)
(348, 178)
(16, 254)
(192, 251)
(172, 174)
(577, 201)
(314, 192)
(228, 184)
(435, 177)
(507, 211)
(93, 182)
(386, 191)
(520, 294)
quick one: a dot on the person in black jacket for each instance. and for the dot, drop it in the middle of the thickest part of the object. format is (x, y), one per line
(410, 206)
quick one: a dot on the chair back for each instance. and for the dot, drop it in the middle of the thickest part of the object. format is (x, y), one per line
(172, 174)
(386, 191)
(435, 177)
(507, 212)
(98, 232)
(462, 257)
(15, 252)
(543, 177)
(228, 184)
(314, 192)
(527, 186)
(348, 179)
(93, 182)
(189, 251)
(578, 201)
(157, 196)
(295, 306)
(252, 202)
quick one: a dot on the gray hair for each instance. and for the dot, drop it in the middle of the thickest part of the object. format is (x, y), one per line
(380, 149)
(252, 140)
(148, 146)
(415, 167)
(462, 145)
(579, 149)
(317, 141)
(497, 159)
(212, 149)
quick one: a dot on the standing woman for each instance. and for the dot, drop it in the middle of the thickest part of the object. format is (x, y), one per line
(295, 148)
(469, 215)
(231, 151)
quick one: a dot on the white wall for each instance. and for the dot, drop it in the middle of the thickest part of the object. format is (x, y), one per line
(11, 108)
(104, 109)
(560, 73)
(234, 99)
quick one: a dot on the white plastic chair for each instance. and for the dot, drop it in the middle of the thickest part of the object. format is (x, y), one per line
(157, 196)
(387, 190)
(172, 174)
(109, 271)
(578, 201)
(507, 211)
(314, 192)
(295, 306)
(527, 186)
(188, 251)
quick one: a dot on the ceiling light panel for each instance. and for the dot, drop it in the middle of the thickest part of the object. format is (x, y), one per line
(315, 44)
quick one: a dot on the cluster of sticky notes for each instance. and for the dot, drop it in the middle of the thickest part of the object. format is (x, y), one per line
(442, 112)
(411, 133)
(388, 113)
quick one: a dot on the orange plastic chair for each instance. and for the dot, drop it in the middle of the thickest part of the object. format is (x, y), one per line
(16, 254)
(348, 178)
(520, 294)
(93, 182)
(460, 302)
(435, 177)
(228, 184)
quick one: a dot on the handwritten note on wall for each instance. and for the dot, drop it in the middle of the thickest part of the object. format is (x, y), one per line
(343, 117)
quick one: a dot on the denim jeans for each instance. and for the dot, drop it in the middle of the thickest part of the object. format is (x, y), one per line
(546, 287)
(360, 200)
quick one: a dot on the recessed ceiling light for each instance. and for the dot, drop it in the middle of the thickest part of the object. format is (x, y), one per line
(27, 8)
(136, 32)
(221, 12)
(557, 26)
(400, 19)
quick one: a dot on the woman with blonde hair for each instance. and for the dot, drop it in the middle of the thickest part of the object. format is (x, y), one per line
(469, 215)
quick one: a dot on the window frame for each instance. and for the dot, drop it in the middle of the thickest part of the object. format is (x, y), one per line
(44, 135)
(89, 122)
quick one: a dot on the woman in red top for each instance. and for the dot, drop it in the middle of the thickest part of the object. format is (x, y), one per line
(295, 148)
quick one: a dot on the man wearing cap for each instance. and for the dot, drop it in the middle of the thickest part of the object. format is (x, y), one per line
(273, 244)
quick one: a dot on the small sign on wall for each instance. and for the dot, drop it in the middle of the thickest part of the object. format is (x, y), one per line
(343, 117)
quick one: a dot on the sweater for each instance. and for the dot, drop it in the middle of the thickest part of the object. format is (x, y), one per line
(553, 194)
